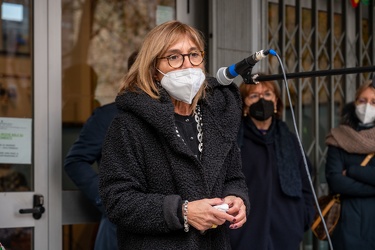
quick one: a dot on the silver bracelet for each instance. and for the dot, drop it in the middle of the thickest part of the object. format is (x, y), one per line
(185, 211)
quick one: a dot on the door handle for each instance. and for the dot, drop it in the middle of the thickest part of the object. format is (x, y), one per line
(38, 208)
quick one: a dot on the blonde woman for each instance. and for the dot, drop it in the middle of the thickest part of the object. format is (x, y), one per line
(170, 156)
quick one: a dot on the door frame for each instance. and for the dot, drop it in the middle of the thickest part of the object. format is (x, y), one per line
(47, 119)
(46, 132)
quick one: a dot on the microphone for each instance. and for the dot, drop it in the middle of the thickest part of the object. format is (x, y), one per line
(225, 75)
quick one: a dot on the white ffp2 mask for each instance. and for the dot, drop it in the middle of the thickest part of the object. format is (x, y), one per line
(183, 84)
(365, 113)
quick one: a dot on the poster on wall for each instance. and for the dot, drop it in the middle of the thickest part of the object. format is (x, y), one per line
(15, 140)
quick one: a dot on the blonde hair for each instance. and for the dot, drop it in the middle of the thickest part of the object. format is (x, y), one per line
(141, 76)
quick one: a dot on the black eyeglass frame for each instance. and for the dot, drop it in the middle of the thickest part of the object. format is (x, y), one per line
(183, 58)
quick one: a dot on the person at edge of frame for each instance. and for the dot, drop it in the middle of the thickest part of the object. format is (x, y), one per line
(348, 145)
(87, 150)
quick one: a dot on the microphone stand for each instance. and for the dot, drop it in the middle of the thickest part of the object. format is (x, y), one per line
(313, 74)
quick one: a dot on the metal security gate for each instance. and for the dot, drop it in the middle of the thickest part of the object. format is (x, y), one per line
(308, 35)
(313, 36)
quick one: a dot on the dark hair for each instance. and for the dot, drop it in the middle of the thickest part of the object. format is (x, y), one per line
(348, 116)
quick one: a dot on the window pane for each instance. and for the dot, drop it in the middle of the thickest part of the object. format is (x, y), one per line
(16, 95)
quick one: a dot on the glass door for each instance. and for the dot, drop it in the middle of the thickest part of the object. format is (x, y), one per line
(16, 126)
(30, 189)
(98, 38)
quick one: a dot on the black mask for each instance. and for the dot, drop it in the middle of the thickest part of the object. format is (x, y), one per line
(261, 110)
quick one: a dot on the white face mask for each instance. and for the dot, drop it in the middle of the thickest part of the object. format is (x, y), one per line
(183, 84)
(365, 113)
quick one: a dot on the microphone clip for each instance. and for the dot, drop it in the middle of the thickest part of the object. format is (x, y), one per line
(249, 78)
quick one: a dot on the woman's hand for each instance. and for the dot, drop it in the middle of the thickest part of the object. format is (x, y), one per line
(237, 209)
(202, 216)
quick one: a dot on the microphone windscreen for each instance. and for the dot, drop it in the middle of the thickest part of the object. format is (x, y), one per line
(222, 78)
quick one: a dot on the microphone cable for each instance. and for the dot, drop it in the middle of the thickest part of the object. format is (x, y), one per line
(302, 151)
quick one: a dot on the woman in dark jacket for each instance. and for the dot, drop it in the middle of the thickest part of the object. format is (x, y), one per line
(171, 155)
(279, 190)
(348, 145)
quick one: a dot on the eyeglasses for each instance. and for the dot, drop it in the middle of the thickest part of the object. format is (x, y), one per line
(177, 60)
(266, 95)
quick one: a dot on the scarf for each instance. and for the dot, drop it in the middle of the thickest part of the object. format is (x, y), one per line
(352, 141)
(287, 156)
(287, 160)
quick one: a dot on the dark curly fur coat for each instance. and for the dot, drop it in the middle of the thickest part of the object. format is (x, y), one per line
(146, 170)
